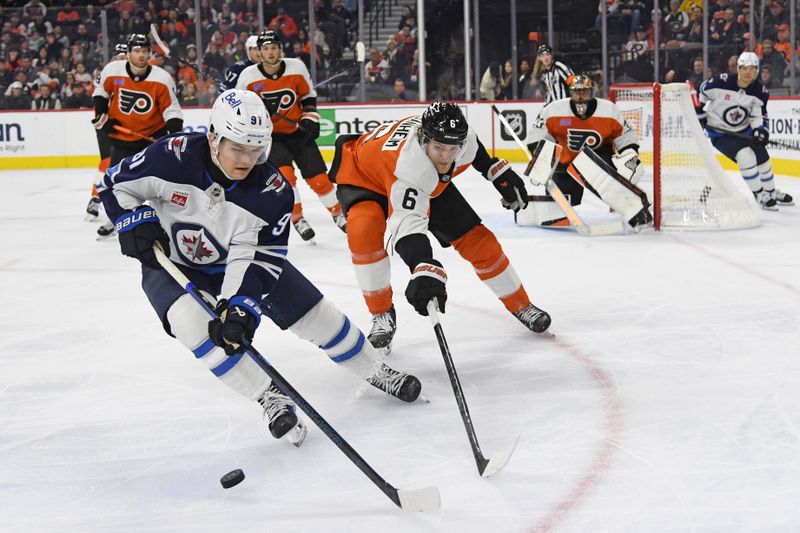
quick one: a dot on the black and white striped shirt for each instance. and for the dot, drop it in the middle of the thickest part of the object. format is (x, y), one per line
(555, 81)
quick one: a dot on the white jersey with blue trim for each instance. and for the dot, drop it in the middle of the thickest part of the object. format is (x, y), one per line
(241, 231)
(729, 108)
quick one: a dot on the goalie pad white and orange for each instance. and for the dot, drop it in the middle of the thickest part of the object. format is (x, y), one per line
(541, 211)
(545, 157)
(620, 194)
(628, 165)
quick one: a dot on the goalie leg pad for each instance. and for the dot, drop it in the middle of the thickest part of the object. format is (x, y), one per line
(327, 327)
(541, 211)
(189, 323)
(545, 157)
(617, 192)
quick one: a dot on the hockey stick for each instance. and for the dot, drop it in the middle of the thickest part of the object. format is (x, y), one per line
(486, 467)
(123, 129)
(360, 57)
(161, 44)
(745, 137)
(610, 228)
(424, 499)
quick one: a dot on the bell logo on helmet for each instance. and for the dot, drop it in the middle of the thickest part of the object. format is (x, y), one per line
(232, 101)
(134, 102)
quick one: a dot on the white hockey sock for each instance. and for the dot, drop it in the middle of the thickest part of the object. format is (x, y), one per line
(766, 175)
(746, 159)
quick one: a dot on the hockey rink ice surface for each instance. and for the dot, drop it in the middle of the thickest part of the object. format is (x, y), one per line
(667, 401)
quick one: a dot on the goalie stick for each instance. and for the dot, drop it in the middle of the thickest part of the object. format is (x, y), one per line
(593, 230)
(486, 467)
(424, 499)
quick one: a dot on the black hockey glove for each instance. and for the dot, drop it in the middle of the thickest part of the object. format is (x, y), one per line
(102, 123)
(237, 319)
(761, 136)
(427, 281)
(138, 230)
(310, 124)
(509, 185)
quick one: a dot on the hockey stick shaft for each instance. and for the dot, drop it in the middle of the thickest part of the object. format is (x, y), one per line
(413, 500)
(745, 137)
(123, 129)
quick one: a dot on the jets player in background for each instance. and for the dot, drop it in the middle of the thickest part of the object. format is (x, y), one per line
(402, 171)
(253, 58)
(222, 211)
(285, 87)
(104, 145)
(137, 96)
(583, 123)
(733, 110)
(555, 74)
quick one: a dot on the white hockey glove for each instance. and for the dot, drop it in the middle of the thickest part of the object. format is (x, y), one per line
(628, 165)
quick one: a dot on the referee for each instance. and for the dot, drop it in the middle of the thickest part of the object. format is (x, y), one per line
(555, 75)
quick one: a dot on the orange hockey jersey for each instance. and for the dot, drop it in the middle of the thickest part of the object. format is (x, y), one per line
(604, 126)
(140, 103)
(288, 92)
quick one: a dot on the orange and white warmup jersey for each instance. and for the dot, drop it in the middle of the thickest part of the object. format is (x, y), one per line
(143, 104)
(289, 92)
(556, 122)
(390, 161)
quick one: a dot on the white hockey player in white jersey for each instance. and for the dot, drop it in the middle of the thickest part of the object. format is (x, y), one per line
(222, 211)
(733, 110)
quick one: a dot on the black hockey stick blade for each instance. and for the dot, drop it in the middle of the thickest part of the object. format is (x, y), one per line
(486, 467)
(424, 499)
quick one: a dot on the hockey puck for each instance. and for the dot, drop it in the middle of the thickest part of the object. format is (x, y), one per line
(232, 478)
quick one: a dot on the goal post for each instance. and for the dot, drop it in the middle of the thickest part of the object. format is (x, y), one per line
(690, 189)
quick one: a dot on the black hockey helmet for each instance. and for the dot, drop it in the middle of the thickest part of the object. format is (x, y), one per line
(120, 48)
(268, 37)
(544, 49)
(138, 40)
(445, 123)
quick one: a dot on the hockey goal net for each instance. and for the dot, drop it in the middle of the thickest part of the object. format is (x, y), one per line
(690, 190)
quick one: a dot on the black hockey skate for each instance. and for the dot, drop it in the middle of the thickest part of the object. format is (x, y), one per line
(106, 231)
(281, 417)
(534, 318)
(93, 208)
(384, 326)
(766, 199)
(304, 229)
(398, 384)
(782, 198)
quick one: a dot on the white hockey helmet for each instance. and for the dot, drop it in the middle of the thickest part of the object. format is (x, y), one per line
(251, 42)
(240, 116)
(747, 59)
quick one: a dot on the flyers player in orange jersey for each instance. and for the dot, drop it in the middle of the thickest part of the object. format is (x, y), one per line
(400, 175)
(598, 150)
(104, 145)
(285, 86)
(136, 96)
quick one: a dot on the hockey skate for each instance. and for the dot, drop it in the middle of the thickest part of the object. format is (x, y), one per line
(93, 208)
(641, 219)
(106, 231)
(281, 418)
(341, 221)
(384, 326)
(402, 386)
(304, 229)
(766, 200)
(534, 318)
(782, 198)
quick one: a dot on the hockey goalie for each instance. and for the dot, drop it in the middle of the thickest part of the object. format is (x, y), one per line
(583, 142)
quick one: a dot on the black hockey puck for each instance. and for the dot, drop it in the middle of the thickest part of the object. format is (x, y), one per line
(232, 478)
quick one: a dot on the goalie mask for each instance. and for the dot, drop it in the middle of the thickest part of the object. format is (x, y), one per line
(443, 122)
(240, 117)
(581, 93)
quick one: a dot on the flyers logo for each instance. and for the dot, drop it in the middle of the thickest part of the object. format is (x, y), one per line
(277, 101)
(134, 102)
(577, 139)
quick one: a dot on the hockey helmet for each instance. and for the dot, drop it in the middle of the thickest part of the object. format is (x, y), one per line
(544, 49)
(747, 59)
(138, 40)
(581, 92)
(268, 37)
(120, 48)
(240, 116)
(251, 42)
(445, 123)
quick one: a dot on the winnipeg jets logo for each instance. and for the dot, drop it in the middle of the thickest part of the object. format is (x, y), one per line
(177, 146)
(577, 139)
(196, 245)
(274, 183)
(735, 116)
(277, 101)
(134, 102)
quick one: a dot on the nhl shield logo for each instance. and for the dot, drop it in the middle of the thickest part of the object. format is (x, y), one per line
(517, 119)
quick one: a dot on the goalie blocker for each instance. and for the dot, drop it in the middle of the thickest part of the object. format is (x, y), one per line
(591, 171)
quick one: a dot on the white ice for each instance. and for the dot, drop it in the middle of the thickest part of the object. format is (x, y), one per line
(668, 400)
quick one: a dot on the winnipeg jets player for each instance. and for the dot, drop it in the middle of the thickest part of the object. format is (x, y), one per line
(734, 111)
(223, 211)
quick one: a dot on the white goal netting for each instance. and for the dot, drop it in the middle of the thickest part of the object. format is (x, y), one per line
(689, 188)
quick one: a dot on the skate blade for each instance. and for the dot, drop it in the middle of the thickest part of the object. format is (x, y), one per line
(297, 434)
(110, 236)
(88, 217)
